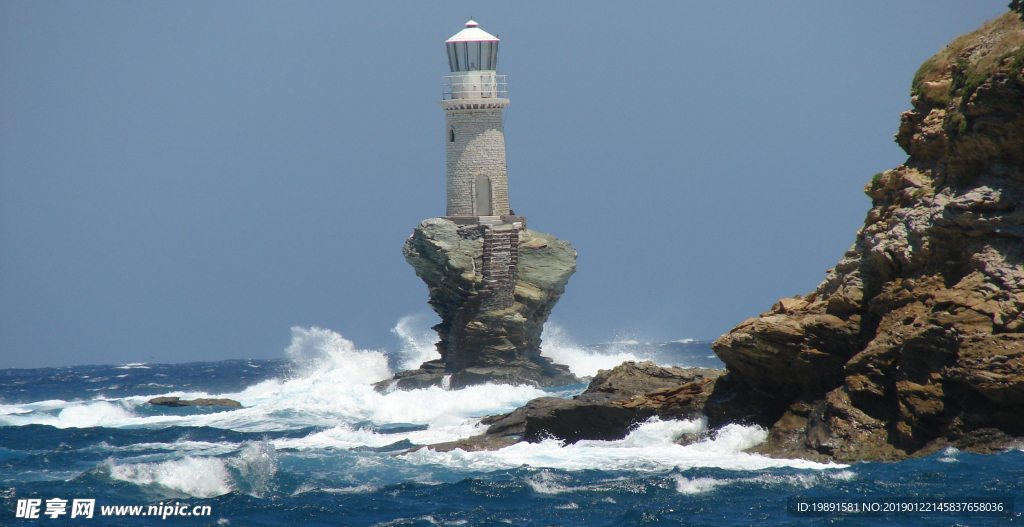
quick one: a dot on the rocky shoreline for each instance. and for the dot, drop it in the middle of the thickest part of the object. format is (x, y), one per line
(914, 341)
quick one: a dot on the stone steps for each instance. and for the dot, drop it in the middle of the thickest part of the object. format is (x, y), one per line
(500, 272)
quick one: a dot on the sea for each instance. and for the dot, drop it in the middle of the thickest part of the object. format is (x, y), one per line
(314, 444)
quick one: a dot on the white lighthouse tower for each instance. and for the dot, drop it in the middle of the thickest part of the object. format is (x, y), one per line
(473, 97)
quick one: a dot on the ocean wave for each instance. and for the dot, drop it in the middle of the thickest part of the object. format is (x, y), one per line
(70, 415)
(183, 446)
(547, 482)
(256, 465)
(686, 485)
(133, 366)
(329, 388)
(251, 471)
(200, 477)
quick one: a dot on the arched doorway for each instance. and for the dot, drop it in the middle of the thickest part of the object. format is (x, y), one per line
(483, 196)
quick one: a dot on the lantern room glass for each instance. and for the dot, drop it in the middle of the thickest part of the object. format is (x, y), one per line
(473, 56)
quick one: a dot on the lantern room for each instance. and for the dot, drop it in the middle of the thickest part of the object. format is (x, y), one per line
(472, 49)
(473, 61)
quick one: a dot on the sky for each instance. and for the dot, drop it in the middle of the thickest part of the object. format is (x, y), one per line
(184, 181)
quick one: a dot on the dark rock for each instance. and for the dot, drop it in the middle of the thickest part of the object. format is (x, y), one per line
(636, 378)
(403, 445)
(614, 403)
(474, 444)
(175, 402)
(430, 373)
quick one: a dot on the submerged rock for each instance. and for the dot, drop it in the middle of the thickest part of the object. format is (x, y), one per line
(915, 340)
(175, 402)
(493, 287)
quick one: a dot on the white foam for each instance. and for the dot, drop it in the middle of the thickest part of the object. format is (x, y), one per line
(331, 388)
(449, 415)
(251, 471)
(557, 344)
(200, 477)
(359, 489)
(949, 455)
(316, 351)
(803, 481)
(38, 406)
(650, 447)
(6, 409)
(71, 415)
(546, 482)
(697, 485)
(134, 366)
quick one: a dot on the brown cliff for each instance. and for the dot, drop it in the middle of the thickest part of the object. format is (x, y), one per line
(915, 340)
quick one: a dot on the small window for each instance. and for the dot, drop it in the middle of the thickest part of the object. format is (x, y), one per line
(451, 135)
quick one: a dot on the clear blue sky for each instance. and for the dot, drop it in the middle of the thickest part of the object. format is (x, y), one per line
(187, 180)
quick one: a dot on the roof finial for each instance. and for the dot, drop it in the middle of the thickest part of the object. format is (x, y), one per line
(471, 23)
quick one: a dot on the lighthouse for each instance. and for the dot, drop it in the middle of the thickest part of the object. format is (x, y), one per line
(473, 98)
(492, 315)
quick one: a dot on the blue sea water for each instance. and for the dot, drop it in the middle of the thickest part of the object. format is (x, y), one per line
(315, 445)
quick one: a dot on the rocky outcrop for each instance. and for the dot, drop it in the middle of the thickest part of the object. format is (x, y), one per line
(915, 340)
(493, 287)
(615, 402)
(175, 402)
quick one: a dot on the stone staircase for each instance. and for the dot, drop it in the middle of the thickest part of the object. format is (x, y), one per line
(501, 267)
(490, 221)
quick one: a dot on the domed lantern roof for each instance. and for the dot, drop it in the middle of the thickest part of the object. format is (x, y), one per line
(472, 49)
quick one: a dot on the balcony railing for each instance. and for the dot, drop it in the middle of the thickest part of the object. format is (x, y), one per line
(474, 85)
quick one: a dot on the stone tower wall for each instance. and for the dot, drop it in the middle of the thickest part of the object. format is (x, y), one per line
(478, 149)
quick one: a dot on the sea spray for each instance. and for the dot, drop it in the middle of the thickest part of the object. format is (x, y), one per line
(584, 362)
(418, 342)
(317, 350)
(256, 465)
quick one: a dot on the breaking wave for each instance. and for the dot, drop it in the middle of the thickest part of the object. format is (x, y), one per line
(417, 342)
(650, 447)
(330, 390)
(584, 362)
(251, 471)
(201, 477)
